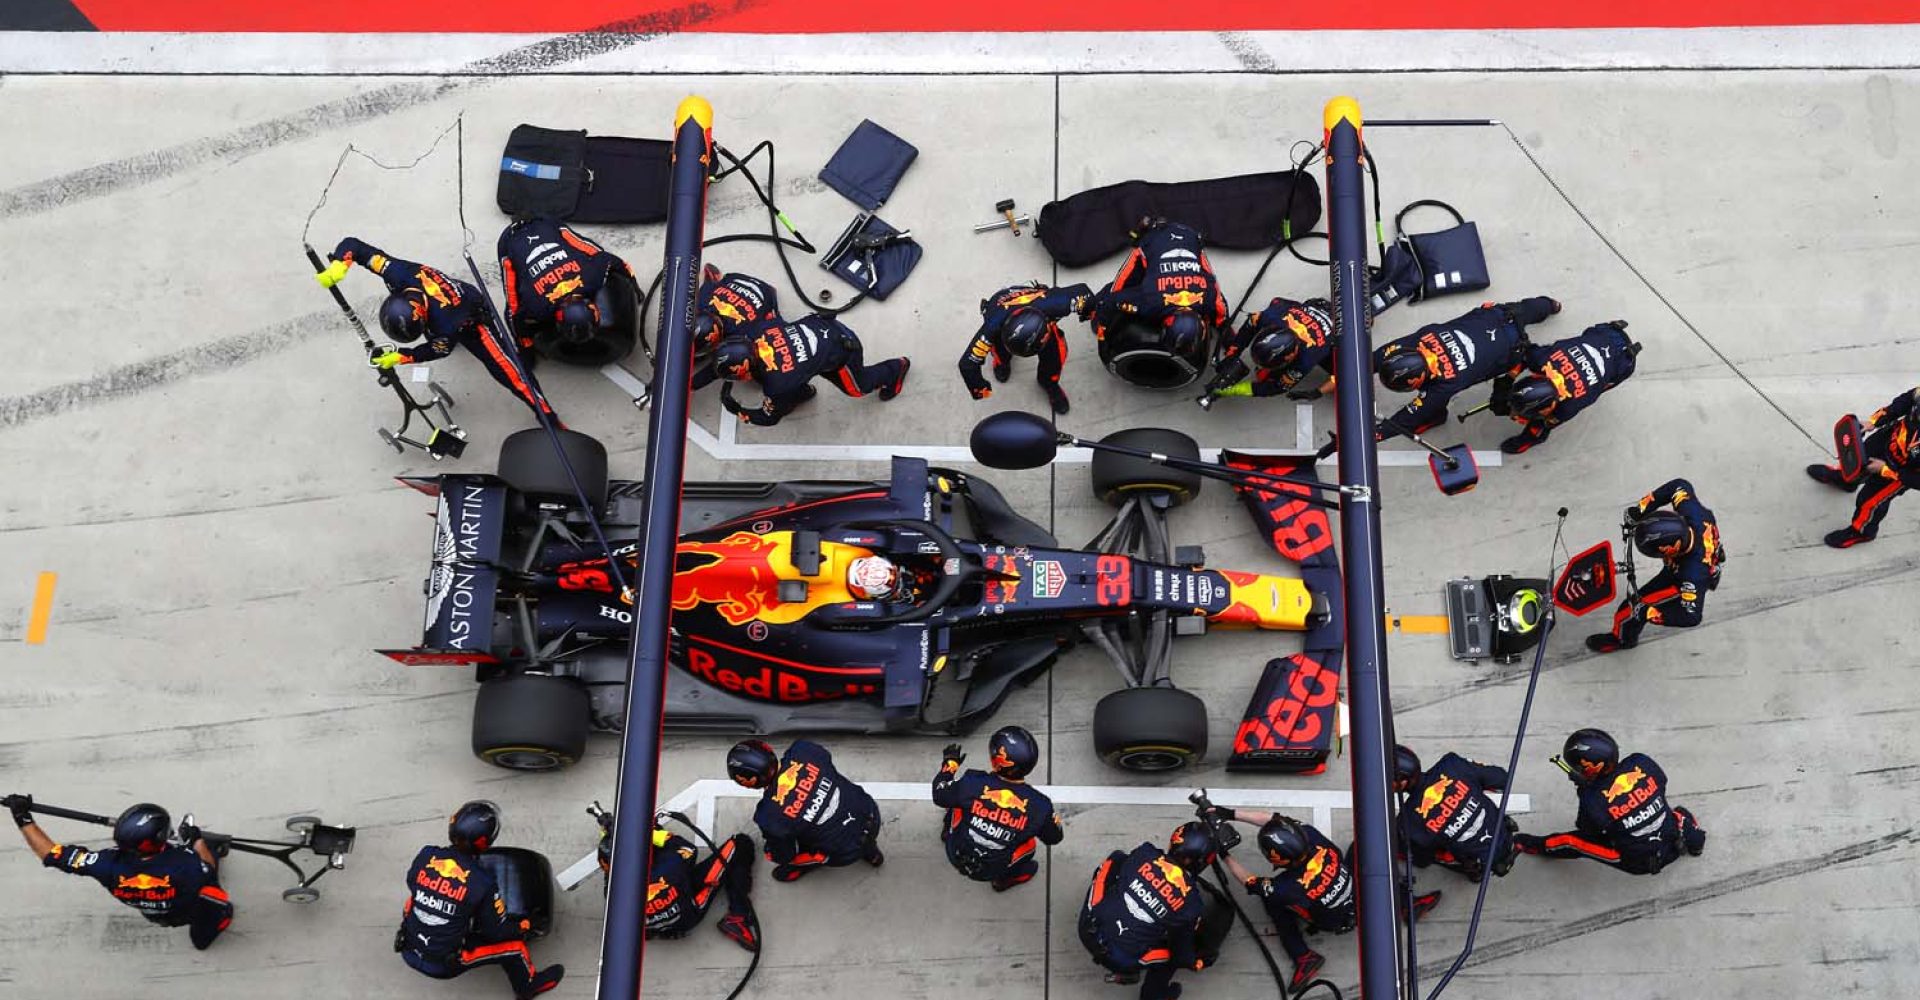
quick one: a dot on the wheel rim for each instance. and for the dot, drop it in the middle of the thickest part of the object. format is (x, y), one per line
(527, 759)
(1151, 759)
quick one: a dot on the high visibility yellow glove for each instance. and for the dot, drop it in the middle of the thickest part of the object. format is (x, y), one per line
(387, 360)
(333, 273)
(1237, 389)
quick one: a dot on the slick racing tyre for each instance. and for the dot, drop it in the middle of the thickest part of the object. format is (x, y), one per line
(530, 722)
(1116, 477)
(612, 340)
(528, 464)
(1135, 352)
(1150, 729)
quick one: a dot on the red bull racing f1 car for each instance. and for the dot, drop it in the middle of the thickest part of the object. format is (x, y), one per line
(909, 605)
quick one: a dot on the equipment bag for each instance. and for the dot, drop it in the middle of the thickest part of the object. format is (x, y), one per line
(872, 256)
(571, 176)
(868, 165)
(1248, 212)
(1419, 266)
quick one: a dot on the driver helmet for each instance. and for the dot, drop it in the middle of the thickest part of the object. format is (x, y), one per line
(403, 316)
(142, 828)
(1185, 330)
(1403, 371)
(576, 318)
(1026, 330)
(873, 578)
(1663, 535)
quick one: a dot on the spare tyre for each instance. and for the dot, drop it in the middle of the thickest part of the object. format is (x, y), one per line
(528, 464)
(530, 722)
(1150, 729)
(617, 308)
(1116, 477)
(1136, 353)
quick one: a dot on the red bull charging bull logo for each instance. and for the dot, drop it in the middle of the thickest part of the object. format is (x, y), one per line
(734, 575)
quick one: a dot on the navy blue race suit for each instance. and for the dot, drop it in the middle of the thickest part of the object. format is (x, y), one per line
(1892, 440)
(812, 816)
(1625, 822)
(456, 314)
(786, 359)
(1145, 913)
(1315, 893)
(992, 825)
(1447, 818)
(684, 884)
(455, 921)
(1677, 595)
(1460, 353)
(742, 307)
(542, 261)
(1309, 322)
(1167, 270)
(173, 888)
(1580, 368)
(988, 346)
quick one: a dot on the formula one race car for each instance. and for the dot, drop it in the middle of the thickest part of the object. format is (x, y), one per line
(910, 605)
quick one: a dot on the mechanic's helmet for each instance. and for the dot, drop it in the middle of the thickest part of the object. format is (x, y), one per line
(1403, 371)
(474, 826)
(1275, 348)
(733, 359)
(751, 763)
(1185, 330)
(1406, 768)
(142, 828)
(403, 316)
(1284, 841)
(873, 578)
(1025, 332)
(706, 329)
(1662, 535)
(1192, 847)
(1013, 752)
(576, 318)
(1589, 754)
(1533, 397)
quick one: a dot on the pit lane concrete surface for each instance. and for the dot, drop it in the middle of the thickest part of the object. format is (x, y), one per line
(189, 438)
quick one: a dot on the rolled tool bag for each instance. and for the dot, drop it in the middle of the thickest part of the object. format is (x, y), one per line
(1420, 266)
(1247, 212)
(572, 176)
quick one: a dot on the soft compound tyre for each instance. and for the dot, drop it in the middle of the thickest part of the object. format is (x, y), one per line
(528, 464)
(1117, 477)
(1150, 729)
(530, 722)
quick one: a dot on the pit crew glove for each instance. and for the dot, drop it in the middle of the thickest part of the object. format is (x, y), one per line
(1220, 814)
(1632, 514)
(727, 401)
(1236, 389)
(189, 830)
(1303, 394)
(385, 360)
(21, 806)
(335, 270)
(953, 753)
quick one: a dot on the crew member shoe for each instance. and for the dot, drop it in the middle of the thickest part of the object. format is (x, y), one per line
(1518, 444)
(737, 930)
(1058, 398)
(1003, 884)
(1529, 843)
(790, 873)
(874, 857)
(1173, 992)
(1306, 967)
(543, 981)
(894, 390)
(1423, 905)
(1691, 834)
(1827, 474)
(1002, 371)
(1128, 978)
(1846, 538)
(1604, 642)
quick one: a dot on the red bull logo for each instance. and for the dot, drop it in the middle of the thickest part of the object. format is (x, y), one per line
(445, 885)
(448, 868)
(1170, 875)
(735, 576)
(1183, 300)
(1632, 789)
(145, 883)
(1433, 795)
(1624, 782)
(1005, 799)
(783, 785)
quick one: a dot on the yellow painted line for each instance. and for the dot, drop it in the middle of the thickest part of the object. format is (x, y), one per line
(1428, 624)
(42, 609)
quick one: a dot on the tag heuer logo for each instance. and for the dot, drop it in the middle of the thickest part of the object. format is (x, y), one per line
(1048, 579)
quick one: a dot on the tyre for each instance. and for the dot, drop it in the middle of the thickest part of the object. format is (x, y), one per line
(528, 464)
(524, 880)
(530, 722)
(1150, 729)
(1116, 477)
(1136, 354)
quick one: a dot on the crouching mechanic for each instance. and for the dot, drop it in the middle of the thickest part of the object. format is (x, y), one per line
(1166, 280)
(1892, 444)
(1563, 378)
(1447, 817)
(1624, 820)
(1148, 914)
(1439, 361)
(1275, 350)
(553, 278)
(423, 302)
(1022, 321)
(1687, 541)
(731, 306)
(784, 360)
(455, 920)
(170, 885)
(1311, 889)
(810, 816)
(994, 820)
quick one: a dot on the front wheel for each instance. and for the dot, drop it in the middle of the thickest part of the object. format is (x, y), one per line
(1150, 729)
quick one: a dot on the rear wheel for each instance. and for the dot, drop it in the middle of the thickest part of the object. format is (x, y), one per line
(528, 464)
(1150, 729)
(530, 722)
(1116, 477)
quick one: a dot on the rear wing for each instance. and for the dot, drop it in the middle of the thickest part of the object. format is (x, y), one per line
(462, 577)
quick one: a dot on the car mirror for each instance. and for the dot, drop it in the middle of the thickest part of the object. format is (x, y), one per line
(1014, 440)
